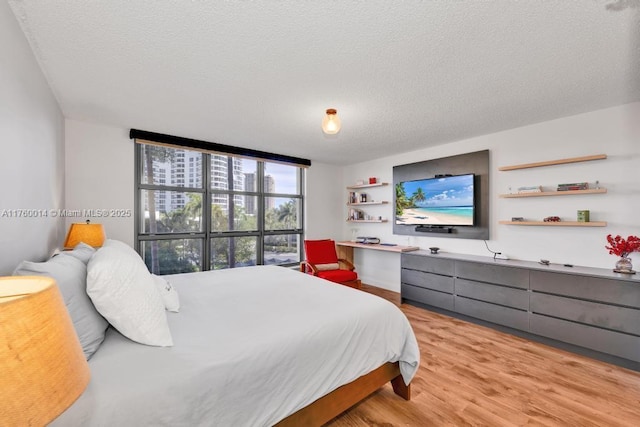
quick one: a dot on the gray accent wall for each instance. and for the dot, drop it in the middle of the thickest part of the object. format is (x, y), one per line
(32, 160)
(476, 163)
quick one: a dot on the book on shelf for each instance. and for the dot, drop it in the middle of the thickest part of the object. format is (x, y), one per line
(355, 197)
(573, 186)
(355, 215)
(530, 189)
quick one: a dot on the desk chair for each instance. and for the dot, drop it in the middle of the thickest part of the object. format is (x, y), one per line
(322, 261)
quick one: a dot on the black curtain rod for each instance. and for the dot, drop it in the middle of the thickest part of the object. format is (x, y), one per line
(213, 146)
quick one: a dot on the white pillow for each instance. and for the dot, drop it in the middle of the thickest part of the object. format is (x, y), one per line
(168, 293)
(123, 291)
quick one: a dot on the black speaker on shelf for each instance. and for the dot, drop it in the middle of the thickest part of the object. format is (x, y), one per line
(431, 229)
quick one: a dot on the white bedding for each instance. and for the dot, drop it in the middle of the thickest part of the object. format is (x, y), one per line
(252, 345)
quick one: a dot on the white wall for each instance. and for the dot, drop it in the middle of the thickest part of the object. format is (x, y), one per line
(614, 131)
(100, 176)
(32, 162)
(108, 183)
(324, 202)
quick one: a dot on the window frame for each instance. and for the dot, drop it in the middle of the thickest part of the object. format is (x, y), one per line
(207, 234)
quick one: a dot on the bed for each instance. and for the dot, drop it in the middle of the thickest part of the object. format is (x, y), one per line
(253, 346)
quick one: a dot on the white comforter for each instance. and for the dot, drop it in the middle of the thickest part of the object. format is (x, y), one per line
(251, 346)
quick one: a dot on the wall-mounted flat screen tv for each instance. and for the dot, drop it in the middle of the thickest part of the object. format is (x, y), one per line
(441, 201)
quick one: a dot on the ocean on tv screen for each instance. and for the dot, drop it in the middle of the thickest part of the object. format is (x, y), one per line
(436, 201)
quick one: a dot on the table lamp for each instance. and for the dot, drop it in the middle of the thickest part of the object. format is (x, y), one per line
(42, 367)
(91, 234)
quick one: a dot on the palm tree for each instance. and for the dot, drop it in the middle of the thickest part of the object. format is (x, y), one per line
(287, 214)
(418, 196)
(401, 199)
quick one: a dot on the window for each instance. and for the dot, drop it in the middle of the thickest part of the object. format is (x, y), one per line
(198, 211)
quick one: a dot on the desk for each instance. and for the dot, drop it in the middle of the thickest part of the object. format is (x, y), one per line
(345, 249)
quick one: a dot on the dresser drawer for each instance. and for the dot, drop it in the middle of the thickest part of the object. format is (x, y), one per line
(427, 280)
(585, 287)
(493, 313)
(611, 342)
(428, 264)
(510, 297)
(601, 315)
(508, 276)
(426, 296)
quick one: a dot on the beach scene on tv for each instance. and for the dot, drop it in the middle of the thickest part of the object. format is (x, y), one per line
(436, 201)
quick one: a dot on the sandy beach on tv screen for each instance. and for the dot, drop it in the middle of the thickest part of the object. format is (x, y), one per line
(414, 217)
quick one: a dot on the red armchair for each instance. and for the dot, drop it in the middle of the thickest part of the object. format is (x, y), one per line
(322, 261)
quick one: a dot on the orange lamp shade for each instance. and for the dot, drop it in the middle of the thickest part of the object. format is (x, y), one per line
(91, 234)
(42, 367)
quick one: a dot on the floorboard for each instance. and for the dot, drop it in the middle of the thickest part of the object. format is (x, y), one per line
(471, 375)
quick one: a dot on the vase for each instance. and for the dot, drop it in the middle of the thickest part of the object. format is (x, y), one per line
(624, 266)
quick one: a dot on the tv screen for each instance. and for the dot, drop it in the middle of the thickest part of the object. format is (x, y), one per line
(443, 201)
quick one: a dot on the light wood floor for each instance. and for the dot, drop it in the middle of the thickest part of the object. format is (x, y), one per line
(473, 375)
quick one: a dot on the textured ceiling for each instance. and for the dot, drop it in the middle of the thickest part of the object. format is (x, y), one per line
(403, 75)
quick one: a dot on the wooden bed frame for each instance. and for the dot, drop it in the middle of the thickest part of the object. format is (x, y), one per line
(333, 404)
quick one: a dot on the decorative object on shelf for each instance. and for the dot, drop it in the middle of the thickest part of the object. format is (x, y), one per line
(373, 180)
(552, 219)
(623, 248)
(331, 122)
(517, 218)
(91, 234)
(544, 262)
(434, 250)
(583, 216)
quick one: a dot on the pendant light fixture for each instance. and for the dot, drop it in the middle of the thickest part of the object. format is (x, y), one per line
(331, 122)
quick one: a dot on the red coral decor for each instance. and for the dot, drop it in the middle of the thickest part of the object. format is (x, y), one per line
(621, 247)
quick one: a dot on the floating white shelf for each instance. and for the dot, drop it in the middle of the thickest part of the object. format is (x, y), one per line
(367, 203)
(554, 193)
(554, 162)
(558, 223)
(377, 184)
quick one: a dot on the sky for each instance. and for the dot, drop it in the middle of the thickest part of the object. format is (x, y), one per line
(285, 176)
(443, 192)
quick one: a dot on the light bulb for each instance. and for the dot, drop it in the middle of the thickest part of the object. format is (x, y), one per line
(331, 122)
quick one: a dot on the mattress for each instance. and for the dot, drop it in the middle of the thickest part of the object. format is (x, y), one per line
(252, 345)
